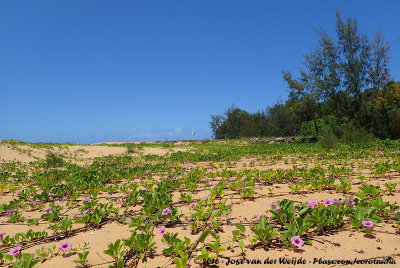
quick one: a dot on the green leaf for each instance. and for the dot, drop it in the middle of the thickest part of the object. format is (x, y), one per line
(240, 227)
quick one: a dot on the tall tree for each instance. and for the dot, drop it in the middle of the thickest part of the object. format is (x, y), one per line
(379, 72)
(355, 62)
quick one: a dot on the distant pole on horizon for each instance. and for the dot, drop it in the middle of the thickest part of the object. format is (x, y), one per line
(193, 133)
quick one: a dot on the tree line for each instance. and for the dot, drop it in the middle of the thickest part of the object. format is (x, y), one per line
(344, 90)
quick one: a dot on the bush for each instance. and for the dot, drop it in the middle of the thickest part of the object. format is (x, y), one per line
(54, 160)
(329, 140)
(131, 150)
(353, 134)
(326, 125)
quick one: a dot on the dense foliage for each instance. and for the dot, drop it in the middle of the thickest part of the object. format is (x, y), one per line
(344, 91)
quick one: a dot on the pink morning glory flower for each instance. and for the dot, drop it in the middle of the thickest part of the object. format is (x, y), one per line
(242, 179)
(51, 194)
(165, 211)
(351, 202)
(328, 202)
(338, 202)
(65, 246)
(10, 212)
(260, 215)
(278, 208)
(147, 171)
(297, 241)
(368, 224)
(215, 184)
(272, 204)
(312, 204)
(192, 204)
(161, 231)
(85, 211)
(87, 199)
(15, 251)
(2, 235)
(48, 210)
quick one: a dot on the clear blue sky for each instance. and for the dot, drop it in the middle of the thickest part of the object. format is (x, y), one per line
(89, 71)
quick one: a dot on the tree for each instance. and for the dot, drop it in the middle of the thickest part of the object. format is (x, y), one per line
(380, 57)
(386, 111)
(336, 74)
(355, 62)
(215, 123)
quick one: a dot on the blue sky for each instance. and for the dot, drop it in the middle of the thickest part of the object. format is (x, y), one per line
(90, 71)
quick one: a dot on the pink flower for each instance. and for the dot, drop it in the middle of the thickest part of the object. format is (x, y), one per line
(297, 241)
(51, 194)
(328, 202)
(165, 211)
(2, 235)
(260, 215)
(312, 204)
(338, 202)
(215, 184)
(15, 251)
(161, 231)
(278, 208)
(48, 210)
(85, 211)
(272, 204)
(351, 202)
(65, 246)
(368, 224)
(10, 212)
(192, 204)
(87, 199)
(242, 179)
(134, 182)
(147, 171)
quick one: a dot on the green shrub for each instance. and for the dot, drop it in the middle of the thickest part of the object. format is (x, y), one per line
(131, 150)
(326, 125)
(54, 160)
(329, 140)
(353, 134)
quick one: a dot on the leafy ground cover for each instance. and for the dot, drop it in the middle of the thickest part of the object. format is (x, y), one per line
(216, 203)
